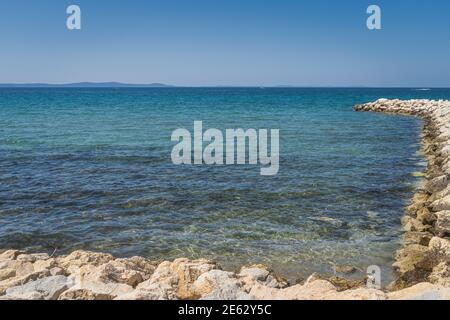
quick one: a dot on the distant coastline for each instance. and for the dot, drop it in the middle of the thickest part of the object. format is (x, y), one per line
(85, 85)
(112, 84)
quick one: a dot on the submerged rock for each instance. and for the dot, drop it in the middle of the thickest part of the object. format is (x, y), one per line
(343, 284)
(345, 269)
(331, 221)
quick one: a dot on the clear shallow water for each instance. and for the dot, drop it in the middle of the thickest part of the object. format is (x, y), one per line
(91, 169)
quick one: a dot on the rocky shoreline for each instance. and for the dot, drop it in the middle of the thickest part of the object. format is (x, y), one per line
(84, 275)
(425, 255)
(422, 264)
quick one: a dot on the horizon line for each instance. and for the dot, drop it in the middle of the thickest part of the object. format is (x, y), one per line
(114, 84)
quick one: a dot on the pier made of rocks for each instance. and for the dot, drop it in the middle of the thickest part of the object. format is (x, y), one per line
(425, 254)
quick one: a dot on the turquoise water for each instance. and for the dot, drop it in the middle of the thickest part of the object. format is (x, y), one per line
(91, 169)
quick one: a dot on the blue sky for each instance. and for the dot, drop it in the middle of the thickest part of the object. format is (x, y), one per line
(218, 42)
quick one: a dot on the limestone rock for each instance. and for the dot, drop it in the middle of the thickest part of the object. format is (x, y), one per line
(21, 280)
(95, 276)
(219, 285)
(441, 246)
(46, 264)
(415, 237)
(437, 184)
(412, 224)
(94, 290)
(32, 257)
(7, 273)
(10, 264)
(441, 204)
(446, 151)
(425, 216)
(440, 194)
(84, 294)
(408, 257)
(25, 296)
(103, 282)
(262, 275)
(438, 252)
(56, 271)
(186, 273)
(155, 291)
(145, 266)
(421, 291)
(420, 198)
(48, 288)
(314, 290)
(163, 275)
(115, 271)
(442, 225)
(441, 275)
(10, 255)
(226, 293)
(357, 294)
(24, 268)
(173, 279)
(81, 258)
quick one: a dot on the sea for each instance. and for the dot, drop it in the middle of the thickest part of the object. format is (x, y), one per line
(91, 168)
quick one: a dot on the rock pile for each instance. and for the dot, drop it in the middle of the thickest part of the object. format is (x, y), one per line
(425, 255)
(97, 276)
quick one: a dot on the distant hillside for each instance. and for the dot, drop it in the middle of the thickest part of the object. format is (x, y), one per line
(83, 85)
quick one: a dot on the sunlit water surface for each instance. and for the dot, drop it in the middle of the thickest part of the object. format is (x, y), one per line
(91, 169)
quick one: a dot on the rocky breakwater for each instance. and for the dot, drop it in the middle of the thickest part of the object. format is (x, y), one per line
(85, 275)
(425, 254)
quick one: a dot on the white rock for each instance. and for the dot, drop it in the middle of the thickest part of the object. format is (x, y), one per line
(46, 289)
(219, 285)
(259, 274)
(95, 291)
(155, 291)
(32, 257)
(421, 291)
